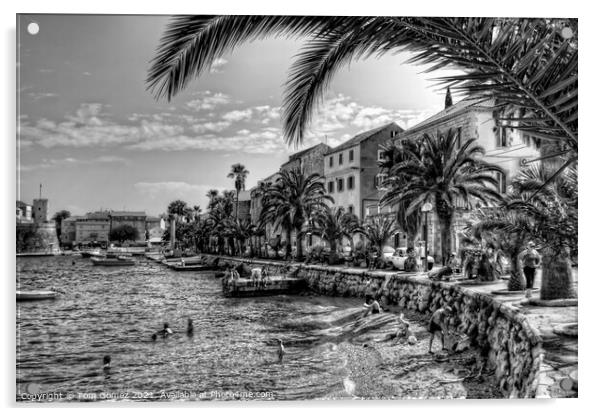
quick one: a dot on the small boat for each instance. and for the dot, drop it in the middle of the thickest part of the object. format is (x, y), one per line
(23, 295)
(112, 261)
(88, 254)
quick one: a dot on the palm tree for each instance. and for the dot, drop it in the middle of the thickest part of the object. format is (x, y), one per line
(379, 229)
(528, 65)
(211, 194)
(442, 174)
(333, 225)
(196, 212)
(551, 201)
(393, 154)
(291, 201)
(239, 173)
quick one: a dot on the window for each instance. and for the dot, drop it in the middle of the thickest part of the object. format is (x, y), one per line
(331, 187)
(502, 137)
(340, 158)
(340, 185)
(350, 209)
(393, 134)
(501, 179)
(378, 180)
(459, 138)
(527, 140)
(381, 155)
(351, 155)
(330, 161)
(350, 182)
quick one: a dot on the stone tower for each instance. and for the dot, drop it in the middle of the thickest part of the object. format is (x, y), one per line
(40, 210)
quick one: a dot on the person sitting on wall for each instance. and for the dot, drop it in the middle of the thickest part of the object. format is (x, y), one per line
(454, 263)
(264, 276)
(437, 326)
(371, 306)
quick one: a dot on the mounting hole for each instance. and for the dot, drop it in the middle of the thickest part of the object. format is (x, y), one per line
(33, 28)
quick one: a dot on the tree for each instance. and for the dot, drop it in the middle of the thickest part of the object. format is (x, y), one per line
(178, 208)
(551, 201)
(439, 172)
(528, 65)
(239, 173)
(393, 154)
(211, 194)
(291, 201)
(379, 229)
(123, 233)
(333, 225)
(58, 218)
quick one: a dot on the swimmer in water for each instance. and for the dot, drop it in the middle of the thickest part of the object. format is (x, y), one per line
(190, 329)
(166, 331)
(280, 350)
(154, 337)
(106, 362)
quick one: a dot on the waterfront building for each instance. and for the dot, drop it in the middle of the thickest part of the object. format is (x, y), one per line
(69, 230)
(136, 219)
(24, 212)
(310, 160)
(35, 234)
(92, 228)
(352, 175)
(504, 146)
(155, 228)
(244, 205)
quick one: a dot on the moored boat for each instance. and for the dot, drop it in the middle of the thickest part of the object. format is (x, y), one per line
(91, 253)
(23, 295)
(112, 261)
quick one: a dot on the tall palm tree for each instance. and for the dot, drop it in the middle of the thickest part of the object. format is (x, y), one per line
(178, 209)
(196, 212)
(528, 65)
(379, 229)
(211, 194)
(291, 201)
(553, 206)
(393, 154)
(445, 175)
(239, 173)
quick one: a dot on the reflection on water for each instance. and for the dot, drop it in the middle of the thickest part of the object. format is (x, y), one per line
(114, 311)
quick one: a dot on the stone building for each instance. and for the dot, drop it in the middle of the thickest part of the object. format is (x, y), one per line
(244, 205)
(136, 219)
(69, 230)
(310, 160)
(93, 228)
(504, 146)
(35, 234)
(155, 227)
(352, 175)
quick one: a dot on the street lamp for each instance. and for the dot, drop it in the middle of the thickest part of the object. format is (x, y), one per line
(426, 208)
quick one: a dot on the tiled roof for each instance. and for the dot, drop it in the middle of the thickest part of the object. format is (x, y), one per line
(303, 152)
(357, 139)
(128, 214)
(459, 107)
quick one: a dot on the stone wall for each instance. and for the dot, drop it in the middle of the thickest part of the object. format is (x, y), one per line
(37, 238)
(514, 348)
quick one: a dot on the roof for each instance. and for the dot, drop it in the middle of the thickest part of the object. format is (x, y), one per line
(98, 215)
(451, 111)
(304, 152)
(153, 219)
(357, 139)
(128, 214)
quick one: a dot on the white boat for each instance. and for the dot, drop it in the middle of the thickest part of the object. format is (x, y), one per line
(35, 295)
(112, 261)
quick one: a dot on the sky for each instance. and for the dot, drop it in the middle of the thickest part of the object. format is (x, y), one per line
(95, 138)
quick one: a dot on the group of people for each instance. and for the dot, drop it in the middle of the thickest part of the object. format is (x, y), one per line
(167, 331)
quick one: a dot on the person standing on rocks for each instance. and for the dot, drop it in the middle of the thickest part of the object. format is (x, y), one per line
(437, 325)
(530, 260)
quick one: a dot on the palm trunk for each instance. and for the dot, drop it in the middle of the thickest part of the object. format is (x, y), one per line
(517, 278)
(557, 276)
(287, 249)
(236, 213)
(445, 215)
(410, 240)
(332, 256)
(299, 245)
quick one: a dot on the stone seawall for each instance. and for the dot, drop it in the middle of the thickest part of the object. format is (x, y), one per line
(37, 238)
(513, 347)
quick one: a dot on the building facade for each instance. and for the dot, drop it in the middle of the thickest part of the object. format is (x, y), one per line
(136, 219)
(504, 146)
(351, 172)
(93, 228)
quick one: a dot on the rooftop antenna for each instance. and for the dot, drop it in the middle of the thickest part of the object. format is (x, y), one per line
(40, 191)
(326, 139)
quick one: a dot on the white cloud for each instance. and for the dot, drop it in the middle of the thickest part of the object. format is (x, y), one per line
(209, 101)
(238, 115)
(36, 96)
(70, 161)
(217, 66)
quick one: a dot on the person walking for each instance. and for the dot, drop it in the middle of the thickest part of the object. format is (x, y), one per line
(530, 260)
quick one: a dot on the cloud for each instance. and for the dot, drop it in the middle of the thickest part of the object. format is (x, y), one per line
(217, 67)
(209, 101)
(87, 74)
(238, 115)
(70, 161)
(41, 95)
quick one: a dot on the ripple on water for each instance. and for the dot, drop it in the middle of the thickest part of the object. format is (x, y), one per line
(115, 311)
